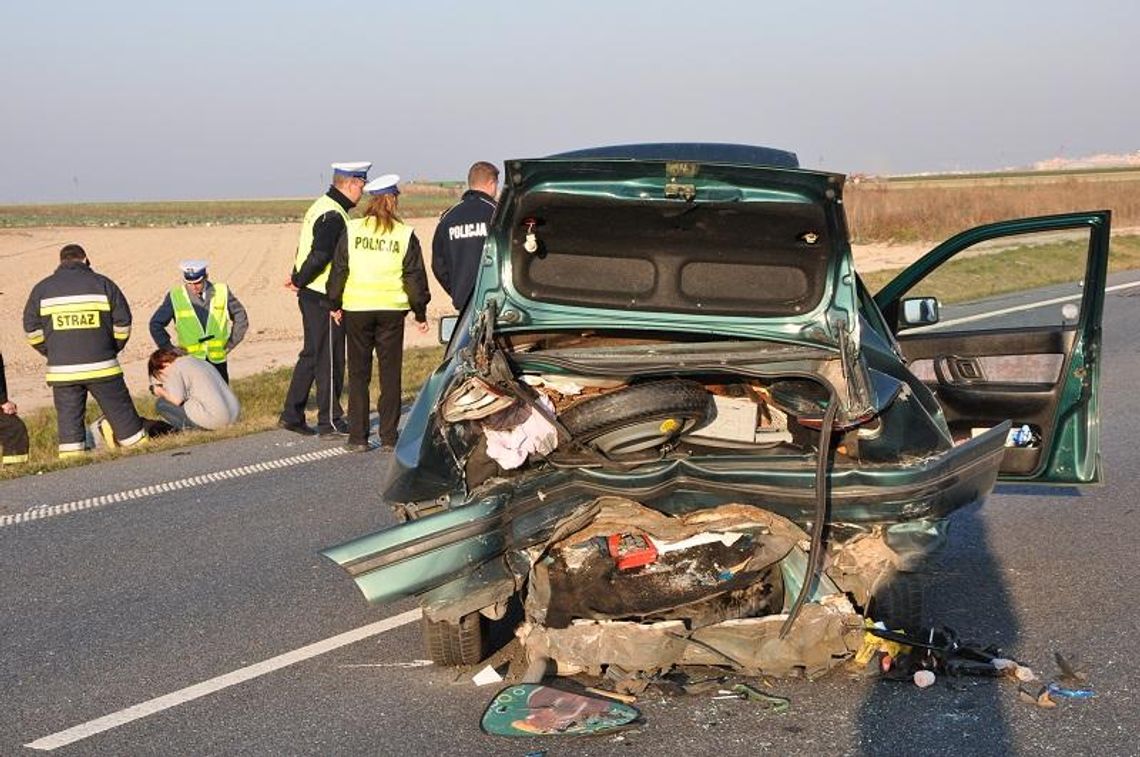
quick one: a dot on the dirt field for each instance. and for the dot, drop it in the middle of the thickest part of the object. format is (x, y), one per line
(253, 259)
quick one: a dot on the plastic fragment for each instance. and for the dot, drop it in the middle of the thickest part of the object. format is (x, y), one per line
(772, 702)
(1040, 698)
(1083, 692)
(1024, 674)
(486, 676)
(923, 678)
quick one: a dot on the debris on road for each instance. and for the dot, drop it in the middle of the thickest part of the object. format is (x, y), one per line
(536, 710)
(1039, 697)
(487, 676)
(772, 702)
(1069, 672)
(1057, 689)
(923, 678)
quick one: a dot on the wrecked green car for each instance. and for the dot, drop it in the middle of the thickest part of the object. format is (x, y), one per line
(674, 425)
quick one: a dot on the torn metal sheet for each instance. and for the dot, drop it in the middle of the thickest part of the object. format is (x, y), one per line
(825, 637)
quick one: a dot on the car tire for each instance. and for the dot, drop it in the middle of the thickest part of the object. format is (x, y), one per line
(898, 601)
(639, 416)
(454, 644)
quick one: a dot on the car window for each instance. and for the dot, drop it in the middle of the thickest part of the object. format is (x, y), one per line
(1017, 281)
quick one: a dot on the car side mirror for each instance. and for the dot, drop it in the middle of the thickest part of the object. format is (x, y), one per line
(919, 311)
(447, 326)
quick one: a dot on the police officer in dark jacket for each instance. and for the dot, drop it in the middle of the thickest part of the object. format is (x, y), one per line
(80, 321)
(457, 246)
(322, 355)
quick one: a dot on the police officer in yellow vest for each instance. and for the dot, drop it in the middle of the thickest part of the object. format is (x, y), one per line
(80, 321)
(209, 321)
(321, 360)
(377, 276)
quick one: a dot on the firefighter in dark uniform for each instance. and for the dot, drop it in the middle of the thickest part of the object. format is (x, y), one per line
(457, 247)
(377, 276)
(322, 355)
(209, 321)
(81, 321)
(13, 432)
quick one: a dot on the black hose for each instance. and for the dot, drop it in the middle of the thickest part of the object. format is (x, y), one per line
(815, 558)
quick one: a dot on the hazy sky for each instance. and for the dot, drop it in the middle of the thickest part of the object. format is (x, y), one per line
(131, 100)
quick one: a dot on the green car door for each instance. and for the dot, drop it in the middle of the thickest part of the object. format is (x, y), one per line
(1003, 321)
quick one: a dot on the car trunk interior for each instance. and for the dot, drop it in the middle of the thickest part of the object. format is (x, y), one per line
(762, 259)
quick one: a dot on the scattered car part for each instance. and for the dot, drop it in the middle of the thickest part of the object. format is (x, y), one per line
(526, 710)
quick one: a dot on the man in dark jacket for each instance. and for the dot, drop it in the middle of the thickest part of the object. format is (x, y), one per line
(457, 246)
(80, 321)
(321, 360)
(13, 432)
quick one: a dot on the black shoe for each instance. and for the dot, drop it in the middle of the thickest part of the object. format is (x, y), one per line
(356, 447)
(297, 428)
(338, 430)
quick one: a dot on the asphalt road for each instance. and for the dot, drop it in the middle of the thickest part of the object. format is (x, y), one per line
(118, 603)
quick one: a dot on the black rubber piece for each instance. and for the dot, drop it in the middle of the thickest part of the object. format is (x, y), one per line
(454, 644)
(672, 398)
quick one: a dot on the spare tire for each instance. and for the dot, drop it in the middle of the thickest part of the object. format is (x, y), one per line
(640, 416)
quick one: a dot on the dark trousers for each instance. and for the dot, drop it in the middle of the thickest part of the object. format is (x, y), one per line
(223, 369)
(115, 402)
(321, 361)
(13, 439)
(173, 415)
(380, 332)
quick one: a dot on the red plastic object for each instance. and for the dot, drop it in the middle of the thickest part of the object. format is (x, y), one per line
(631, 550)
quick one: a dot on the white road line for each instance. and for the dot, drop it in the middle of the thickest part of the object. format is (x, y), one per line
(198, 690)
(40, 512)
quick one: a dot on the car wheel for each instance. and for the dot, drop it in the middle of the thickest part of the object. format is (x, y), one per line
(898, 601)
(454, 644)
(640, 416)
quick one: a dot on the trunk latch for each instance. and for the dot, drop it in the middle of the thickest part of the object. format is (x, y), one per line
(674, 189)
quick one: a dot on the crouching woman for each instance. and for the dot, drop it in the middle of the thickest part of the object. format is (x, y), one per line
(190, 393)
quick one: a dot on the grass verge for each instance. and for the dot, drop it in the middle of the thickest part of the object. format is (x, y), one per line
(260, 395)
(1014, 270)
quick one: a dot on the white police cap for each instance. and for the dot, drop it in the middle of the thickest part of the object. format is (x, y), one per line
(358, 170)
(193, 270)
(383, 185)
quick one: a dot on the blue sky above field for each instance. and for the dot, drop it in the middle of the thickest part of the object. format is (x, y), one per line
(149, 100)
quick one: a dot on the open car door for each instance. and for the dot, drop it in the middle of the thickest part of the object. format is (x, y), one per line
(1004, 322)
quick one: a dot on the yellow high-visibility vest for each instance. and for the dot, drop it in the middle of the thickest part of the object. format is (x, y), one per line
(323, 205)
(376, 267)
(187, 327)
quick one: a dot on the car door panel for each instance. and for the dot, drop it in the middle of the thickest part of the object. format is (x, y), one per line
(983, 377)
(1040, 375)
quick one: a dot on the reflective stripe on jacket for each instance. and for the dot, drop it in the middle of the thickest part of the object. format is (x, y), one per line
(376, 267)
(80, 321)
(204, 344)
(322, 205)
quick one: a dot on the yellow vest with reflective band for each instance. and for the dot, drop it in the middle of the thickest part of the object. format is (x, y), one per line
(191, 336)
(323, 205)
(376, 267)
